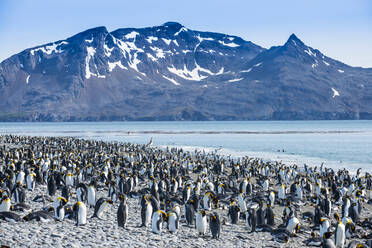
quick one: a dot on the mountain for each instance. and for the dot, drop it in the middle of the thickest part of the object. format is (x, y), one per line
(170, 72)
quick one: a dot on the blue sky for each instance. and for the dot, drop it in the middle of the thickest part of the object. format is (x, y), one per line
(341, 29)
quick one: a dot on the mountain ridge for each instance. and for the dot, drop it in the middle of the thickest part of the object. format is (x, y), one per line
(170, 72)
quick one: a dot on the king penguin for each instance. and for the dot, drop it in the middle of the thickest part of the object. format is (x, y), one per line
(122, 214)
(173, 222)
(201, 222)
(234, 212)
(146, 213)
(80, 213)
(340, 236)
(91, 195)
(215, 225)
(157, 221)
(5, 204)
(251, 219)
(100, 207)
(59, 209)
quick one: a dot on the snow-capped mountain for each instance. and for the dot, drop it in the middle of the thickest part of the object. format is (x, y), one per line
(171, 72)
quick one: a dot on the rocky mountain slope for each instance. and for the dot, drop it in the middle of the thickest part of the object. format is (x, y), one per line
(170, 72)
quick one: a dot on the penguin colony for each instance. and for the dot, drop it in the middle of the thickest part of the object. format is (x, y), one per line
(79, 181)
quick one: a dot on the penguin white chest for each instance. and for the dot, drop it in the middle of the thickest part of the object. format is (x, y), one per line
(148, 214)
(82, 214)
(201, 223)
(91, 196)
(172, 223)
(157, 224)
(101, 210)
(5, 206)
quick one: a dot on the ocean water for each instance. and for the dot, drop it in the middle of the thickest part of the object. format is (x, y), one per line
(339, 144)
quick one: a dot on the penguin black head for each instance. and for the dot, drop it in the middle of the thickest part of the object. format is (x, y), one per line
(337, 216)
(327, 235)
(62, 200)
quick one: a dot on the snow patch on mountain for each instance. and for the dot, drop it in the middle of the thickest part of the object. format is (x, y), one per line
(150, 39)
(232, 44)
(311, 53)
(131, 35)
(187, 74)
(235, 80)
(54, 48)
(171, 80)
(112, 65)
(335, 93)
(246, 70)
(183, 29)
(167, 41)
(91, 51)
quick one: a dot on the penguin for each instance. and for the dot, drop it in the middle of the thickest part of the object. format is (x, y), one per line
(207, 201)
(242, 204)
(59, 210)
(66, 192)
(112, 192)
(345, 207)
(5, 204)
(215, 225)
(272, 198)
(52, 188)
(80, 212)
(173, 222)
(269, 216)
(122, 213)
(20, 177)
(91, 195)
(146, 213)
(293, 225)
(100, 207)
(354, 212)
(324, 226)
(251, 219)
(69, 179)
(282, 194)
(299, 192)
(10, 217)
(157, 221)
(340, 237)
(327, 241)
(18, 193)
(30, 181)
(234, 212)
(260, 217)
(189, 214)
(314, 241)
(177, 209)
(81, 192)
(43, 216)
(186, 193)
(265, 185)
(327, 206)
(201, 222)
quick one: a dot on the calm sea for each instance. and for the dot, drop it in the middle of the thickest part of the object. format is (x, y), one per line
(339, 144)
